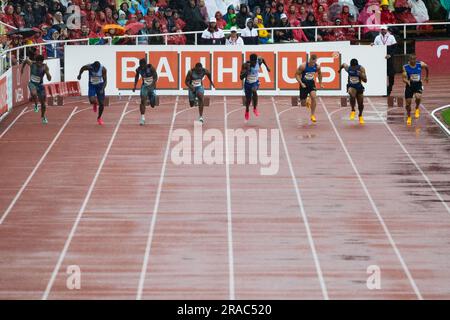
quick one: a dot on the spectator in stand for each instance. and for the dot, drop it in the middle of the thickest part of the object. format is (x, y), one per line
(286, 34)
(39, 12)
(249, 34)
(403, 12)
(203, 10)
(302, 14)
(194, 20)
(18, 17)
(298, 34)
(156, 29)
(310, 6)
(135, 7)
(271, 23)
(242, 16)
(232, 22)
(327, 34)
(386, 16)
(292, 14)
(221, 23)
(266, 14)
(257, 11)
(263, 34)
(338, 33)
(125, 8)
(360, 4)
(419, 10)
(28, 17)
(177, 39)
(385, 38)
(310, 33)
(213, 35)
(319, 12)
(344, 18)
(122, 21)
(109, 19)
(370, 16)
(178, 22)
(58, 18)
(92, 22)
(8, 17)
(150, 16)
(279, 12)
(230, 11)
(234, 38)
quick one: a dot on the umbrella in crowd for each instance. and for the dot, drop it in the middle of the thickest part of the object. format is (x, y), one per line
(335, 10)
(118, 30)
(134, 28)
(25, 32)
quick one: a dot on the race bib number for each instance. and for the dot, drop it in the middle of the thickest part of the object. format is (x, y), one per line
(35, 79)
(252, 78)
(415, 77)
(148, 81)
(197, 82)
(310, 76)
(354, 80)
(96, 80)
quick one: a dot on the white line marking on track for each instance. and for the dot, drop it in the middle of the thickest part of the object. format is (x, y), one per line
(289, 109)
(229, 212)
(35, 169)
(302, 209)
(438, 195)
(156, 207)
(83, 207)
(374, 206)
(13, 122)
(235, 110)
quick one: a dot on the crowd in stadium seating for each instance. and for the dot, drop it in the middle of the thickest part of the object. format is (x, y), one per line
(51, 20)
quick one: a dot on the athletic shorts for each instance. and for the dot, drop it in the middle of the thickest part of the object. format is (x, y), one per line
(39, 87)
(197, 90)
(147, 91)
(249, 87)
(310, 87)
(96, 90)
(359, 88)
(416, 87)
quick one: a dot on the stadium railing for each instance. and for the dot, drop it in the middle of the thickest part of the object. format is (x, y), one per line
(21, 52)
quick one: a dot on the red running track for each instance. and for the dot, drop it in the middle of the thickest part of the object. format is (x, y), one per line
(110, 200)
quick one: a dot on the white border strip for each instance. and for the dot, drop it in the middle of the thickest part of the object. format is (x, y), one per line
(439, 122)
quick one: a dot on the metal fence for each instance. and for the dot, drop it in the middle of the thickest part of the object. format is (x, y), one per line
(20, 53)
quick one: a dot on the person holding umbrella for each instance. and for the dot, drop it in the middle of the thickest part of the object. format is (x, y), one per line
(36, 85)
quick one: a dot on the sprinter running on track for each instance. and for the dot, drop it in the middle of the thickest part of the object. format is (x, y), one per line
(97, 85)
(306, 77)
(250, 72)
(38, 69)
(355, 89)
(194, 81)
(412, 77)
(149, 79)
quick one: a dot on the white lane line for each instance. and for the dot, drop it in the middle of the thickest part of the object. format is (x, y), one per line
(435, 118)
(156, 207)
(438, 195)
(35, 169)
(235, 110)
(229, 212)
(13, 122)
(302, 209)
(83, 208)
(374, 206)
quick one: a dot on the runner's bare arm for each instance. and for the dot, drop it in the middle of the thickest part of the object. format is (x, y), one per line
(405, 77)
(319, 74)
(298, 75)
(427, 71)
(136, 79)
(244, 70)
(208, 74)
(83, 69)
(188, 80)
(26, 62)
(47, 73)
(363, 74)
(155, 77)
(105, 77)
(343, 66)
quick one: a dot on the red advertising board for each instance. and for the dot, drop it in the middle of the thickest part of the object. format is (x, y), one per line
(20, 81)
(436, 54)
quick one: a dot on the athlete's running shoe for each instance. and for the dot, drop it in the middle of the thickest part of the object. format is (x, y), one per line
(361, 120)
(409, 121)
(247, 115)
(352, 115)
(142, 122)
(201, 120)
(44, 120)
(417, 113)
(36, 108)
(256, 112)
(313, 118)
(100, 121)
